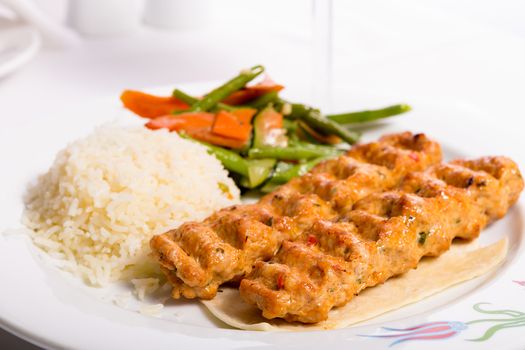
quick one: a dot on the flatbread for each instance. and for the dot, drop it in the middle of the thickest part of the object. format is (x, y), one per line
(461, 263)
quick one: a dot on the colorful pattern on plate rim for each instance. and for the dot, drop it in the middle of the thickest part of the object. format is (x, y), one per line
(448, 329)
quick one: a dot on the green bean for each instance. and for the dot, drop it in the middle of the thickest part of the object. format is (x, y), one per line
(215, 96)
(190, 100)
(296, 170)
(230, 160)
(259, 170)
(298, 110)
(269, 187)
(366, 116)
(264, 100)
(315, 119)
(290, 126)
(184, 97)
(290, 153)
(281, 167)
(328, 149)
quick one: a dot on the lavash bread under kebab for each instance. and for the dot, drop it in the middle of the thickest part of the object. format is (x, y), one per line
(384, 235)
(198, 257)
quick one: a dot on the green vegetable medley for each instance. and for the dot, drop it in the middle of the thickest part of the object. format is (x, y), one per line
(262, 139)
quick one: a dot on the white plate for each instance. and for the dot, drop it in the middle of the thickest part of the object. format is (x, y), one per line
(18, 44)
(54, 310)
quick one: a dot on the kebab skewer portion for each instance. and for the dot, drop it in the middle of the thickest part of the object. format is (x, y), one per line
(383, 235)
(198, 257)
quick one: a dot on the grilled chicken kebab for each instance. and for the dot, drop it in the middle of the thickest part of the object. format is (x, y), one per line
(198, 257)
(383, 235)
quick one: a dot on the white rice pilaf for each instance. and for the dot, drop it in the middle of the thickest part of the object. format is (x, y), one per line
(107, 194)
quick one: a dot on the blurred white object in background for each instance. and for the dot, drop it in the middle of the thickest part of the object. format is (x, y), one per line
(104, 17)
(53, 33)
(322, 52)
(18, 45)
(177, 14)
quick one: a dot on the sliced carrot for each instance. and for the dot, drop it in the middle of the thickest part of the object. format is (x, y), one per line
(252, 92)
(242, 96)
(183, 121)
(244, 115)
(228, 125)
(207, 136)
(196, 124)
(266, 85)
(150, 106)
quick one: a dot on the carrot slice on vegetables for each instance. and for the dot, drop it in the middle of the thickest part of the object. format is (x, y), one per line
(183, 121)
(244, 115)
(207, 136)
(251, 92)
(266, 85)
(242, 96)
(227, 124)
(197, 125)
(150, 106)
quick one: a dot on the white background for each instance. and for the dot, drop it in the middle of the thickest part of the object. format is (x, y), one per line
(466, 53)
